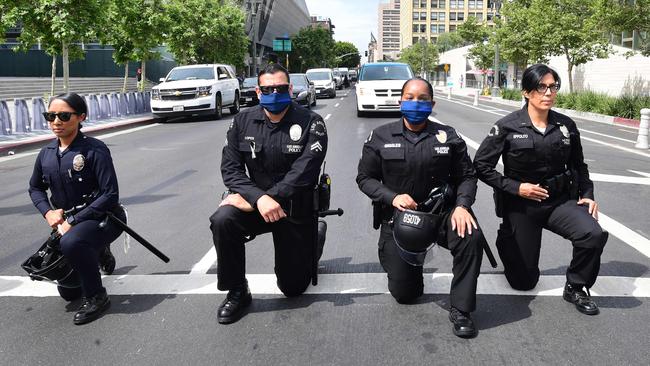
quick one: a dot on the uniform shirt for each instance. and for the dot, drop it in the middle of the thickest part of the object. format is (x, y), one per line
(283, 159)
(81, 169)
(530, 156)
(392, 163)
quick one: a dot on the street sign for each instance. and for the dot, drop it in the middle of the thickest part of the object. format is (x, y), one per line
(282, 45)
(446, 67)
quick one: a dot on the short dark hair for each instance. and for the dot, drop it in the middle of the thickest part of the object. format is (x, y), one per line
(272, 69)
(429, 86)
(534, 74)
(75, 101)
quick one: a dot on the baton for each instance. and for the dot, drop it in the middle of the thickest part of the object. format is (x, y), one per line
(488, 252)
(137, 237)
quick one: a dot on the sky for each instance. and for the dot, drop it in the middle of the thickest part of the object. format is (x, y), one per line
(353, 19)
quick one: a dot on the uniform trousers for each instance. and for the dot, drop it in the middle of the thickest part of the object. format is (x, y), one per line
(520, 235)
(405, 281)
(82, 246)
(292, 240)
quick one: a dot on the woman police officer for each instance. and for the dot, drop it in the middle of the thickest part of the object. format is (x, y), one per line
(401, 163)
(545, 184)
(78, 171)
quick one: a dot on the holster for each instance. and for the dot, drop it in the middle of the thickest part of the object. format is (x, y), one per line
(377, 213)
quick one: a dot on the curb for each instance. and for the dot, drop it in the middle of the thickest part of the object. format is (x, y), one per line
(593, 117)
(19, 146)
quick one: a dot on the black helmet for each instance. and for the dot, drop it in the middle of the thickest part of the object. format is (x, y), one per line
(438, 199)
(49, 264)
(415, 233)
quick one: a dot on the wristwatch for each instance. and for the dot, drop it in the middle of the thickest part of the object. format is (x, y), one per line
(71, 220)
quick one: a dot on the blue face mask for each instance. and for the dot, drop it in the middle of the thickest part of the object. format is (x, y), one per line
(275, 102)
(416, 111)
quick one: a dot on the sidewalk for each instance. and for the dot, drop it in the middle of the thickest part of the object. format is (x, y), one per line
(442, 92)
(10, 145)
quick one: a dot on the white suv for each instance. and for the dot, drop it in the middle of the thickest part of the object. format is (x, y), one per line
(196, 90)
(380, 85)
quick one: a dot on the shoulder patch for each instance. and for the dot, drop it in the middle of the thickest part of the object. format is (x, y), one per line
(318, 128)
(494, 131)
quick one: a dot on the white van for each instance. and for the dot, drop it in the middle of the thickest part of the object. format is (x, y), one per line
(379, 86)
(196, 90)
(324, 82)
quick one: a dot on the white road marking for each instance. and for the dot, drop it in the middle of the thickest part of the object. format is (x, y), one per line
(627, 149)
(608, 136)
(625, 234)
(327, 117)
(634, 131)
(344, 283)
(204, 265)
(101, 137)
(611, 178)
(337, 104)
(342, 98)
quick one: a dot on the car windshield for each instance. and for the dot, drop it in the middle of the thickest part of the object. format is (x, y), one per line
(319, 75)
(250, 82)
(298, 80)
(193, 73)
(386, 72)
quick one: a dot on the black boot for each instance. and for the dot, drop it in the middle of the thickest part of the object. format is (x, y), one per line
(233, 307)
(583, 302)
(107, 261)
(463, 324)
(91, 308)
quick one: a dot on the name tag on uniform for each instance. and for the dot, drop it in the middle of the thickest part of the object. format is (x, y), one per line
(441, 150)
(392, 145)
(292, 149)
(520, 136)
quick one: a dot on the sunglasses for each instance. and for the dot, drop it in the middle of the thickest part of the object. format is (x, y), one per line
(63, 116)
(268, 89)
(542, 88)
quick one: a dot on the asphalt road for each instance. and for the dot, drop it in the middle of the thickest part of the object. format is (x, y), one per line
(166, 313)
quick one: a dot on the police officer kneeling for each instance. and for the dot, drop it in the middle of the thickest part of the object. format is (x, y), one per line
(77, 168)
(401, 163)
(282, 145)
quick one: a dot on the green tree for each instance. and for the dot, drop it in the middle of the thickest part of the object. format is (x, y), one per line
(8, 12)
(482, 52)
(206, 31)
(422, 56)
(625, 16)
(516, 43)
(449, 41)
(569, 28)
(351, 58)
(312, 47)
(135, 28)
(59, 26)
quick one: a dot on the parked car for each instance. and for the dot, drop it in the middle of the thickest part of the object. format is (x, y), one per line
(338, 78)
(353, 74)
(195, 90)
(380, 85)
(304, 91)
(324, 82)
(345, 75)
(248, 94)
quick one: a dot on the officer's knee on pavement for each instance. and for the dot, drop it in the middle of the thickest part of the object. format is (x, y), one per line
(405, 294)
(293, 288)
(523, 282)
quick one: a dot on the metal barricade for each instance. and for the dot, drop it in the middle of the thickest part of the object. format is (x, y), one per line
(21, 113)
(5, 119)
(38, 107)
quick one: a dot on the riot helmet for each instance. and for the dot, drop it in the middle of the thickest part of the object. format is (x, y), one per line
(49, 264)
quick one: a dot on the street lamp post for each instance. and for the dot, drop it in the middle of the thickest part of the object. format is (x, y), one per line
(496, 87)
(254, 5)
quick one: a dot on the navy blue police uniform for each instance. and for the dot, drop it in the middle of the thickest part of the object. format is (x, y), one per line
(395, 161)
(554, 160)
(283, 161)
(83, 171)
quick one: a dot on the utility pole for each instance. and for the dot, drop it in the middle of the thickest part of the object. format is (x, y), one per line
(254, 8)
(496, 87)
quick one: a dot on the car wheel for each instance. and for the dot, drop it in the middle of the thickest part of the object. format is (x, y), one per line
(218, 110)
(69, 293)
(235, 108)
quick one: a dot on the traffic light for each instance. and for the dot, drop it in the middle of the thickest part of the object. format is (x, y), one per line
(366, 53)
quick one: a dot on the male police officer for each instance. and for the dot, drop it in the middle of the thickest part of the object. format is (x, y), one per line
(283, 146)
(400, 164)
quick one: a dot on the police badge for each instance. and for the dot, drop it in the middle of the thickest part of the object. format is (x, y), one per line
(442, 136)
(565, 131)
(78, 162)
(295, 132)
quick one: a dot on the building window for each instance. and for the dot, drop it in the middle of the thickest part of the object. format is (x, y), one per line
(423, 28)
(461, 16)
(442, 4)
(452, 16)
(434, 28)
(479, 17)
(434, 4)
(416, 15)
(423, 16)
(452, 28)
(461, 4)
(416, 3)
(415, 40)
(489, 17)
(453, 4)
(441, 17)
(472, 4)
(434, 16)
(479, 4)
(415, 28)
(423, 3)
(441, 28)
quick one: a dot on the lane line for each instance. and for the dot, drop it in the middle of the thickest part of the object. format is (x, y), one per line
(627, 149)
(605, 135)
(336, 105)
(100, 137)
(625, 234)
(343, 283)
(327, 117)
(204, 265)
(342, 98)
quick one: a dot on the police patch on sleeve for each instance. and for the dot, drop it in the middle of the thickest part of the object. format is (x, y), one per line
(78, 162)
(494, 131)
(318, 128)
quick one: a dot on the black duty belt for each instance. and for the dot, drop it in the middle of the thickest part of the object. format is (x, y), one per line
(558, 184)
